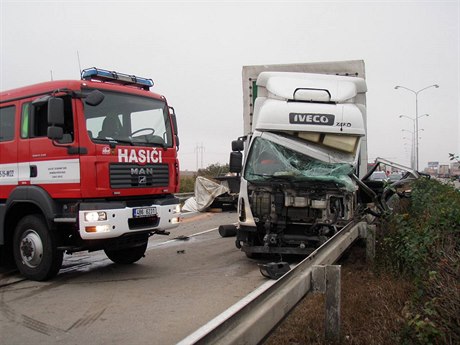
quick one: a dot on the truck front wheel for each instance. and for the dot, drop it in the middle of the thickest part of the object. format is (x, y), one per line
(126, 255)
(35, 250)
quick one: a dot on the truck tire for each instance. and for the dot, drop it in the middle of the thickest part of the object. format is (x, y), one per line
(35, 249)
(126, 255)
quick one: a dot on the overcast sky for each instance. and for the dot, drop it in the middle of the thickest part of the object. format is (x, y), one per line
(195, 50)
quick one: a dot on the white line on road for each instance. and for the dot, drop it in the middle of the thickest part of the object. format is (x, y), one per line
(182, 239)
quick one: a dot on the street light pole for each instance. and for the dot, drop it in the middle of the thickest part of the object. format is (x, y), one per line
(416, 116)
(412, 139)
(412, 159)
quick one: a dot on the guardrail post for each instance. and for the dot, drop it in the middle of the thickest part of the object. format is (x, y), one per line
(326, 279)
(318, 279)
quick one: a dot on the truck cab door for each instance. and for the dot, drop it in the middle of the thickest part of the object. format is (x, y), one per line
(51, 164)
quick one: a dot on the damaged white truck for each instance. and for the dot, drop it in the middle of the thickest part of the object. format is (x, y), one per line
(305, 151)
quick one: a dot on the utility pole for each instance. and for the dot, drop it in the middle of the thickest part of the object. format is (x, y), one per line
(199, 150)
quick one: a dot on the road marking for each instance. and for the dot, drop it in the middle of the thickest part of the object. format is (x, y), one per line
(178, 239)
(181, 239)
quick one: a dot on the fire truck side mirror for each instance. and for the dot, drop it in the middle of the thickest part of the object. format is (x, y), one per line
(236, 162)
(56, 111)
(55, 133)
(174, 124)
(55, 118)
(174, 120)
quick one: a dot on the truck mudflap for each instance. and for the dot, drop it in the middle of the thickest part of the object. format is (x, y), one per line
(110, 223)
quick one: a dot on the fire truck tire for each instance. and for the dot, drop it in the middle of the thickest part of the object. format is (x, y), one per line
(35, 250)
(126, 255)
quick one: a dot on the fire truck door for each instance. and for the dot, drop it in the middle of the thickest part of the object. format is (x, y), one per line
(50, 163)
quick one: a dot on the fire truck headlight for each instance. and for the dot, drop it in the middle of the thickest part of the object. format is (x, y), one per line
(95, 216)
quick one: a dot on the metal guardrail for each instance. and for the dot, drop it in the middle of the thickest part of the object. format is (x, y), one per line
(252, 318)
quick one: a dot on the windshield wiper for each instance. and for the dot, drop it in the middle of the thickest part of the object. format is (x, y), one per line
(124, 141)
(115, 141)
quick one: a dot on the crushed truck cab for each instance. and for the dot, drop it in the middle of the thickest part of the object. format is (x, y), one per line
(305, 139)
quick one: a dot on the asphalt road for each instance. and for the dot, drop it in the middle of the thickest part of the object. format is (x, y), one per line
(179, 286)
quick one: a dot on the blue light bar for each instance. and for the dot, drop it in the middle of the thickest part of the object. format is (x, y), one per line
(115, 77)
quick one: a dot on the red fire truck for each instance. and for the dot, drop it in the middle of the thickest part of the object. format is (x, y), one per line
(85, 165)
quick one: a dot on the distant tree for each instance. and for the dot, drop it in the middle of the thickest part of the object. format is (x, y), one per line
(187, 183)
(214, 170)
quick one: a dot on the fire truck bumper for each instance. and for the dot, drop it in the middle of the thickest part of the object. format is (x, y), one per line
(110, 223)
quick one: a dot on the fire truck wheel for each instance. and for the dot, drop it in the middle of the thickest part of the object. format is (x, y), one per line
(35, 251)
(126, 255)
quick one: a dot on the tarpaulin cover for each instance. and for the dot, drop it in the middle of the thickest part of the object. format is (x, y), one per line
(205, 193)
(269, 160)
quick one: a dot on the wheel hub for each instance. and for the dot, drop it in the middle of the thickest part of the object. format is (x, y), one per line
(31, 249)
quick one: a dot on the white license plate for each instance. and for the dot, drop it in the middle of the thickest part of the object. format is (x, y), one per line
(144, 212)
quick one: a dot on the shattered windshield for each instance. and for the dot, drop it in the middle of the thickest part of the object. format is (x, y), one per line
(129, 119)
(270, 161)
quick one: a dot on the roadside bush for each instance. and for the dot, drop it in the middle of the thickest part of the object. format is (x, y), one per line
(422, 242)
(187, 184)
(214, 170)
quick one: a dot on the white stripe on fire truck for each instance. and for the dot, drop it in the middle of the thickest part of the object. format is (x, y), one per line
(48, 172)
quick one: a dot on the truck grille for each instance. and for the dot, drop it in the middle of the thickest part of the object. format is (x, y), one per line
(136, 176)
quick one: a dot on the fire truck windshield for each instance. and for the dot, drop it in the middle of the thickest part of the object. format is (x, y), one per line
(125, 118)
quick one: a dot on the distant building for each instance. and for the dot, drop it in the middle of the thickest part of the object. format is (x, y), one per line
(432, 169)
(455, 169)
(443, 170)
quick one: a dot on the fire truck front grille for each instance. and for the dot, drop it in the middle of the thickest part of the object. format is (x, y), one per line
(136, 176)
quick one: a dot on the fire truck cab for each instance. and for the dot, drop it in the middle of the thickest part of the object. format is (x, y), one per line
(85, 165)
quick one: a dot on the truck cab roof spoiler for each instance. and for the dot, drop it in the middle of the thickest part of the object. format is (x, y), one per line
(311, 87)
